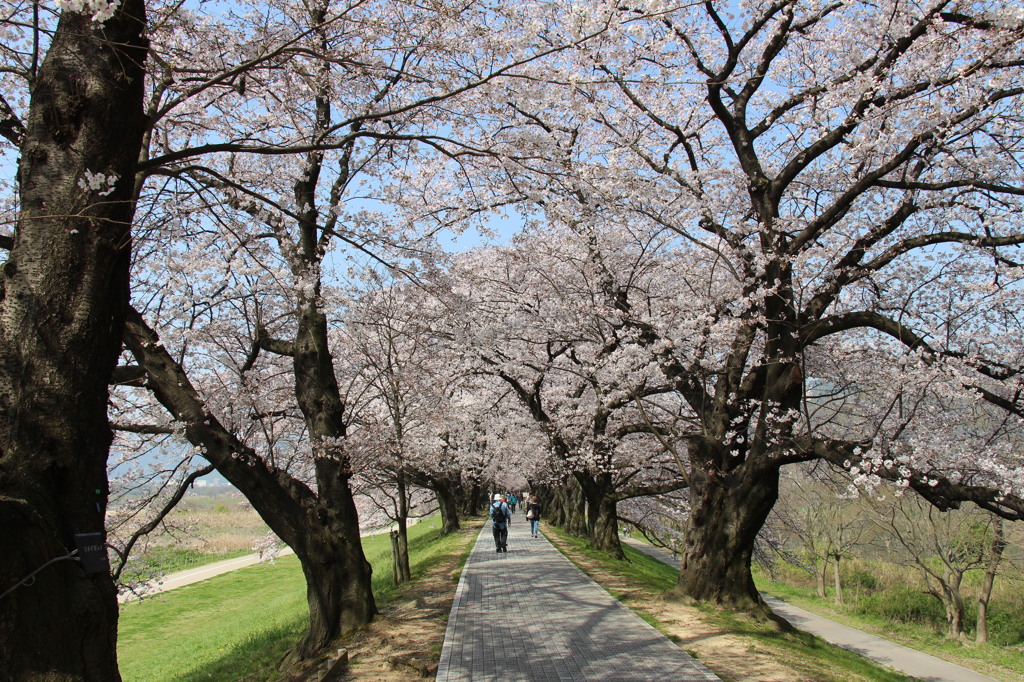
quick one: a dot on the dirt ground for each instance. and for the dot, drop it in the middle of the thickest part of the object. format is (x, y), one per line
(404, 643)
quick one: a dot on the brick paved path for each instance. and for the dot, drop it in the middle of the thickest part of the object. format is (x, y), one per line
(529, 614)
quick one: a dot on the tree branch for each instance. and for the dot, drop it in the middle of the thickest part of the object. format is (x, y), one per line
(277, 346)
(939, 490)
(11, 126)
(650, 490)
(128, 375)
(866, 318)
(238, 462)
(161, 515)
(148, 429)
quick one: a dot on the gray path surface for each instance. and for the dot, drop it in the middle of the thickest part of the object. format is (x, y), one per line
(530, 614)
(904, 659)
(194, 575)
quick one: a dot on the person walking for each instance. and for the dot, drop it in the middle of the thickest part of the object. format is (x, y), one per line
(512, 503)
(500, 518)
(533, 515)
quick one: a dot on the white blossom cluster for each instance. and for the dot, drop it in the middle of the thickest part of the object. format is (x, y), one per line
(99, 10)
(95, 182)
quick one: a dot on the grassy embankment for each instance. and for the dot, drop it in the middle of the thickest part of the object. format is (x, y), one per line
(238, 626)
(890, 601)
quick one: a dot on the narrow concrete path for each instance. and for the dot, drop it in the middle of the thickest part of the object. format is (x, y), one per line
(194, 575)
(896, 656)
(530, 614)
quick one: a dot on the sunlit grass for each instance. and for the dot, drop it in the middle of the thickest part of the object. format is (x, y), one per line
(246, 611)
(237, 626)
(867, 610)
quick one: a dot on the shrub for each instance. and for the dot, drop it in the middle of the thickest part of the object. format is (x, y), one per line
(862, 579)
(904, 605)
(1005, 625)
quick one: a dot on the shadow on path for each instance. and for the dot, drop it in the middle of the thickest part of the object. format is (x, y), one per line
(530, 614)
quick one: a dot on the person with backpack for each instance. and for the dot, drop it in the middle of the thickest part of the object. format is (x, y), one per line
(500, 518)
(512, 503)
(533, 515)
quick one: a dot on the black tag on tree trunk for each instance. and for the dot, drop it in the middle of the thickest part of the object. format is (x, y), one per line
(92, 552)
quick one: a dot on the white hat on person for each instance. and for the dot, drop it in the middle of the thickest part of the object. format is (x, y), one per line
(497, 496)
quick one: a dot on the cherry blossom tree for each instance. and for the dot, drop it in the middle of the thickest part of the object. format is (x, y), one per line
(389, 341)
(279, 169)
(854, 170)
(445, 430)
(481, 444)
(542, 326)
(63, 294)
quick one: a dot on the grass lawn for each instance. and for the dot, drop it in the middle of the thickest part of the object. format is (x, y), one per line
(238, 625)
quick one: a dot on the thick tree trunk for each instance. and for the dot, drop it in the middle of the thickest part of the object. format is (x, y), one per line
(337, 576)
(63, 294)
(727, 510)
(324, 533)
(602, 514)
(449, 507)
(447, 491)
(349, 603)
(556, 510)
(322, 527)
(603, 525)
(567, 508)
(472, 499)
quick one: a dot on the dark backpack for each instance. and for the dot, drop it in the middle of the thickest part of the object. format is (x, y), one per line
(497, 513)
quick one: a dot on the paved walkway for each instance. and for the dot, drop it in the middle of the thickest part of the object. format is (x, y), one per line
(530, 614)
(904, 659)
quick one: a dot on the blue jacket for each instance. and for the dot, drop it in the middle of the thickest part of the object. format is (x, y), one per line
(500, 515)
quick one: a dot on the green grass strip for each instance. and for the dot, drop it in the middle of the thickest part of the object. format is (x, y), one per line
(237, 626)
(990, 659)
